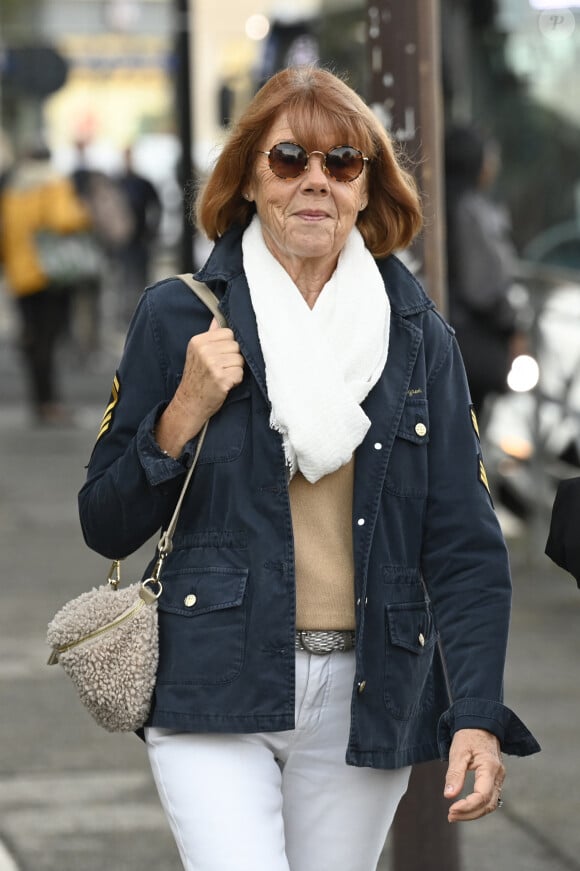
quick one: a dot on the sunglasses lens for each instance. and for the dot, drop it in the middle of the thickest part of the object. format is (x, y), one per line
(288, 160)
(344, 163)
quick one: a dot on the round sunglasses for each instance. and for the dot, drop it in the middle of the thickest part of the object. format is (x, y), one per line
(290, 160)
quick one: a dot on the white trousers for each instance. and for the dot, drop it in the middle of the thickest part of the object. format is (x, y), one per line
(279, 801)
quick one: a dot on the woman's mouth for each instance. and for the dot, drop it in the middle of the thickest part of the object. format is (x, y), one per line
(312, 215)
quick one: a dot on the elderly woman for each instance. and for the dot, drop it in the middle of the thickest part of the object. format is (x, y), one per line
(336, 604)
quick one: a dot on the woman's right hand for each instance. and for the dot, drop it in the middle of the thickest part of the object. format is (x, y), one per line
(213, 365)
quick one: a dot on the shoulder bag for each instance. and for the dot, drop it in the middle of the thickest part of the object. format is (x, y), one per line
(107, 639)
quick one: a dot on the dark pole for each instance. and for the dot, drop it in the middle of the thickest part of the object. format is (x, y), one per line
(405, 92)
(183, 63)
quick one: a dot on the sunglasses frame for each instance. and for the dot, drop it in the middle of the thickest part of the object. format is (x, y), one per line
(323, 154)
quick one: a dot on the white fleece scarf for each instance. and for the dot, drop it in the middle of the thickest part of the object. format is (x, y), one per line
(320, 362)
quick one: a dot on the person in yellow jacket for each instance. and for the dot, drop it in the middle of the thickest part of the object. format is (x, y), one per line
(36, 199)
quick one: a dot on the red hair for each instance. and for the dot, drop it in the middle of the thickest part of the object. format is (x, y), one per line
(317, 104)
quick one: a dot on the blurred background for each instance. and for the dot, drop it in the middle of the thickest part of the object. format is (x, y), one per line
(126, 102)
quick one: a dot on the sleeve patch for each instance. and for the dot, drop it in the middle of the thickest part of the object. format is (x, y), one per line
(482, 474)
(474, 422)
(109, 414)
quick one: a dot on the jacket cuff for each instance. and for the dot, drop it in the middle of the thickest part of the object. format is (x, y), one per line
(158, 466)
(514, 737)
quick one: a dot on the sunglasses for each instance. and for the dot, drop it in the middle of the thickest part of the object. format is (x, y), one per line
(290, 160)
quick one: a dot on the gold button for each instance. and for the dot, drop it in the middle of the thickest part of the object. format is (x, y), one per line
(190, 600)
(421, 639)
(421, 429)
(361, 686)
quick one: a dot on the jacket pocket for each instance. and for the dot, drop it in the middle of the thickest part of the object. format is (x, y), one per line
(202, 622)
(411, 638)
(408, 468)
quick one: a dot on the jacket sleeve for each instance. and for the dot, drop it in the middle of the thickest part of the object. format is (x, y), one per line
(563, 544)
(465, 565)
(132, 486)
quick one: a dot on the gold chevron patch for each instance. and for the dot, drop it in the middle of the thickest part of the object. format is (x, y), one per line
(110, 409)
(474, 422)
(483, 476)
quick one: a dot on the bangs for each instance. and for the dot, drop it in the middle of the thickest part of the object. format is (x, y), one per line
(316, 125)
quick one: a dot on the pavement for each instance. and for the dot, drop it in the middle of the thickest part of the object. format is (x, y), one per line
(74, 798)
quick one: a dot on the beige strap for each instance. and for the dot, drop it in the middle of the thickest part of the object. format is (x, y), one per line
(206, 295)
(165, 544)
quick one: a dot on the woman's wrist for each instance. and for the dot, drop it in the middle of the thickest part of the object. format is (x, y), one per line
(174, 430)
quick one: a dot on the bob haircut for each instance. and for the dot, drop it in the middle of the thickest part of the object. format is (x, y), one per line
(318, 105)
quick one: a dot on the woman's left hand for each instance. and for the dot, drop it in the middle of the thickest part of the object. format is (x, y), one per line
(474, 750)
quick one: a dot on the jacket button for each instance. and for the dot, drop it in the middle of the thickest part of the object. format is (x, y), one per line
(378, 446)
(421, 639)
(361, 521)
(361, 686)
(421, 429)
(190, 600)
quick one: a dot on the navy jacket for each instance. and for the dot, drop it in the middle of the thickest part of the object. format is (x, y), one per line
(432, 577)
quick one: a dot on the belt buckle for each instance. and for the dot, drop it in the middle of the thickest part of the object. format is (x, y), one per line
(318, 647)
(313, 650)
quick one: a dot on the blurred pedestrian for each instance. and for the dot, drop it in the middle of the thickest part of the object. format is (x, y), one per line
(39, 209)
(480, 264)
(336, 604)
(113, 225)
(135, 254)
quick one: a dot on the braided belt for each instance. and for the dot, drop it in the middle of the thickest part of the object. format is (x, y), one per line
(321, 642)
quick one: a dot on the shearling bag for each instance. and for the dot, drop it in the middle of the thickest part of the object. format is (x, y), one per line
(107, 642)
(106, 639)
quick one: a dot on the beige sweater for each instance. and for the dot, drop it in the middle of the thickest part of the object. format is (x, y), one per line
(322, 522)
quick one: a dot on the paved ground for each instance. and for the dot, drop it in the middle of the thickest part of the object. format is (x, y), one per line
(73, 798)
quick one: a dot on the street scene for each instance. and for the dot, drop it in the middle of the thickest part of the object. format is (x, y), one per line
(74, 797)
(120, 109)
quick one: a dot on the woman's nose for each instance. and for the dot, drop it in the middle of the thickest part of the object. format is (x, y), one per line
(314, 175)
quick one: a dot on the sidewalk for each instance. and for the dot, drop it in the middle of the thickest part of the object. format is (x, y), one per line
(73, 797)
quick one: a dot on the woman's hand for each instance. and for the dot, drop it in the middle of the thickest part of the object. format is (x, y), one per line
(213, 365)
(478, 751)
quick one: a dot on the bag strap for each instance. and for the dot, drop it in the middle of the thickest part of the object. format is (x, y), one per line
(206, 295)
(165, 544)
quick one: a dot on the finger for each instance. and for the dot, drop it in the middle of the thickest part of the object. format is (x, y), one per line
(484, 799)
(229, 361)
(471, 807)
(235, 376)
(456, 771)
(220, 334)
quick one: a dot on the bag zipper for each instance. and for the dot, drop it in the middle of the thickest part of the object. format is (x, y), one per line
(126, 615)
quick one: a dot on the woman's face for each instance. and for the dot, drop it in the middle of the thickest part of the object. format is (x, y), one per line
(310, 217)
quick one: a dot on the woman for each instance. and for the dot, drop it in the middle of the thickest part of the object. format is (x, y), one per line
(338, 543)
